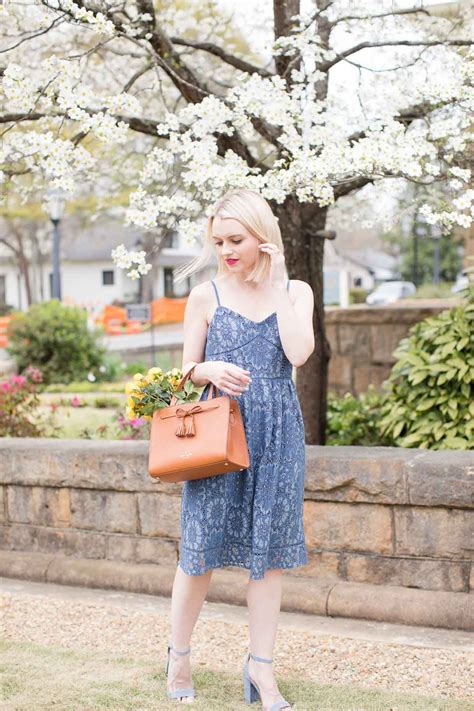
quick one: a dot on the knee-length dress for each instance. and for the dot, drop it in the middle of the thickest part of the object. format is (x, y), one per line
(251, 518)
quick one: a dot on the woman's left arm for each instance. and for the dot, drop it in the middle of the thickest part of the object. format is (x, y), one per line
(295, 320)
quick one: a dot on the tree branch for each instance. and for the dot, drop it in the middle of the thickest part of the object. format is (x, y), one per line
(382, 14)
(217, 51)
(325, 66)
(351, 185)
(139, 73)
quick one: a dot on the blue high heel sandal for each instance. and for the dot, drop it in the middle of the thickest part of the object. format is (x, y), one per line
(178, 693)
(251, 690)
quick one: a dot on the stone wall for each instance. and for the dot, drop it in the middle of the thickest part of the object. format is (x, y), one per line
(381, 515)
(363, 339)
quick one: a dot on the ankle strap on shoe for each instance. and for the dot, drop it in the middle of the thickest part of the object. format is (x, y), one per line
(260, 659)
(170, 646)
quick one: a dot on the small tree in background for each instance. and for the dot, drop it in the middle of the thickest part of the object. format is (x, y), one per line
(56, 339)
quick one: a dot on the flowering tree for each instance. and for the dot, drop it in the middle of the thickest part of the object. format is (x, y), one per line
(174, 103)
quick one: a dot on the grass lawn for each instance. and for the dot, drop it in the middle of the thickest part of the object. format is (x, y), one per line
(40, 677)
(74, 420)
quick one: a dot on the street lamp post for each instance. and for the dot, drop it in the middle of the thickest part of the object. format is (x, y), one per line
(139, 247)
(55, 209)
(436, 236)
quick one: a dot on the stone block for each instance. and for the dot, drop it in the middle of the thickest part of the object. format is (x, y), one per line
(354, 341)
(113, 511)
(379, 374)
(331, 335)
(3, 516)
(159, 515)
(66, 541)
(47, 506)
(80, 464)
(401, 313)
(348, 527)
(434, 532)
(423, 573)
(385, 339)
(340, 371)
(391, 603)
(321, 565)
(141, 550)
(446, 480)
(364, 474)
(362, 378)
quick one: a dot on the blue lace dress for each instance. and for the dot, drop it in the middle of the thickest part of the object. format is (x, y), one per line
(251, 518)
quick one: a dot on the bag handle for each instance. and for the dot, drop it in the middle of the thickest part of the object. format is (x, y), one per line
(212, 389)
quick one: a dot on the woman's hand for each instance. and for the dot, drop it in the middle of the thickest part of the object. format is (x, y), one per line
(277, 264)
(230, 378)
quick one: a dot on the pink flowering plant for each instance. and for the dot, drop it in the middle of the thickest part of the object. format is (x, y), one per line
(19, 407)
(121, 428)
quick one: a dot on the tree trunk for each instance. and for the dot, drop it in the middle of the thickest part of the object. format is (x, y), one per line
(304, 255)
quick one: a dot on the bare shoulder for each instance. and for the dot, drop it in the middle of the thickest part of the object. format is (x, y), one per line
(199, 300)
(200, 293)
(302, 289)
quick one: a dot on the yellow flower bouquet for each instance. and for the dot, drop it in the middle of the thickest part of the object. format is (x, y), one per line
(153, 391)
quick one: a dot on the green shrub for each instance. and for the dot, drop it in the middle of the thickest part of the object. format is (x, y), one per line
(5, 309)
(354, 420)
(357, 295)
(84, 386)
(56, 339)
(435, 291)
(138, 366)
(112, 368)
(430, 401)
(105, 401)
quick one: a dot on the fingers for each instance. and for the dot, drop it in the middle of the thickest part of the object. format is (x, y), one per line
(239, 377)
(236, 381)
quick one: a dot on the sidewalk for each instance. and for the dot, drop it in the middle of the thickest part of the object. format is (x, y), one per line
(359, 654)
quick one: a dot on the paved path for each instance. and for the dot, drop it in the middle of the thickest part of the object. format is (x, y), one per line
(421, 660)
(168, 335)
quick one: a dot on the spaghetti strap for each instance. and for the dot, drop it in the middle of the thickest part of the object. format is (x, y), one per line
(217, 293)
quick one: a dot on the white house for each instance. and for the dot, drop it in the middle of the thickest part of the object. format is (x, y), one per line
(89, 277)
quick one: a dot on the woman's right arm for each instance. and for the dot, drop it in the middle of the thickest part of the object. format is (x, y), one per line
(195, 334)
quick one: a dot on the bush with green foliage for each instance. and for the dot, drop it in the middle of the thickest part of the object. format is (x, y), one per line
(430, 399)
(5, 309)
(354, 420)
(357, 295)
(56, 339)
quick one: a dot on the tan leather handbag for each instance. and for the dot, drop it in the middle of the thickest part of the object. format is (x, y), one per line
(195, 440)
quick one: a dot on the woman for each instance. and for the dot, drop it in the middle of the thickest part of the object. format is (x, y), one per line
(251, 518)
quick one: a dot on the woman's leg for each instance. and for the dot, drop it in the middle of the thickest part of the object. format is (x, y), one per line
(188, 595)
(264, 599)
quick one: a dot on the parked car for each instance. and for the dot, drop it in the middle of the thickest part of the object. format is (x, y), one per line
(390, 291)
(462, 281)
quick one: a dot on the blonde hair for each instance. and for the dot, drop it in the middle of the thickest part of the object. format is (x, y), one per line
(254, 213)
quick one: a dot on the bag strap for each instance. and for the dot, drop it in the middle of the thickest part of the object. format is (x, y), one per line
(181, 383)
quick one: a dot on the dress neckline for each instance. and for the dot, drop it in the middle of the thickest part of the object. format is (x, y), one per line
(257, 323)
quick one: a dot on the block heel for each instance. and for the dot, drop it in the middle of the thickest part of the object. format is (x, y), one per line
(251, 690)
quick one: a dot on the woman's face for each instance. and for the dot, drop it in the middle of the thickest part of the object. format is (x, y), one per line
(233, 241)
